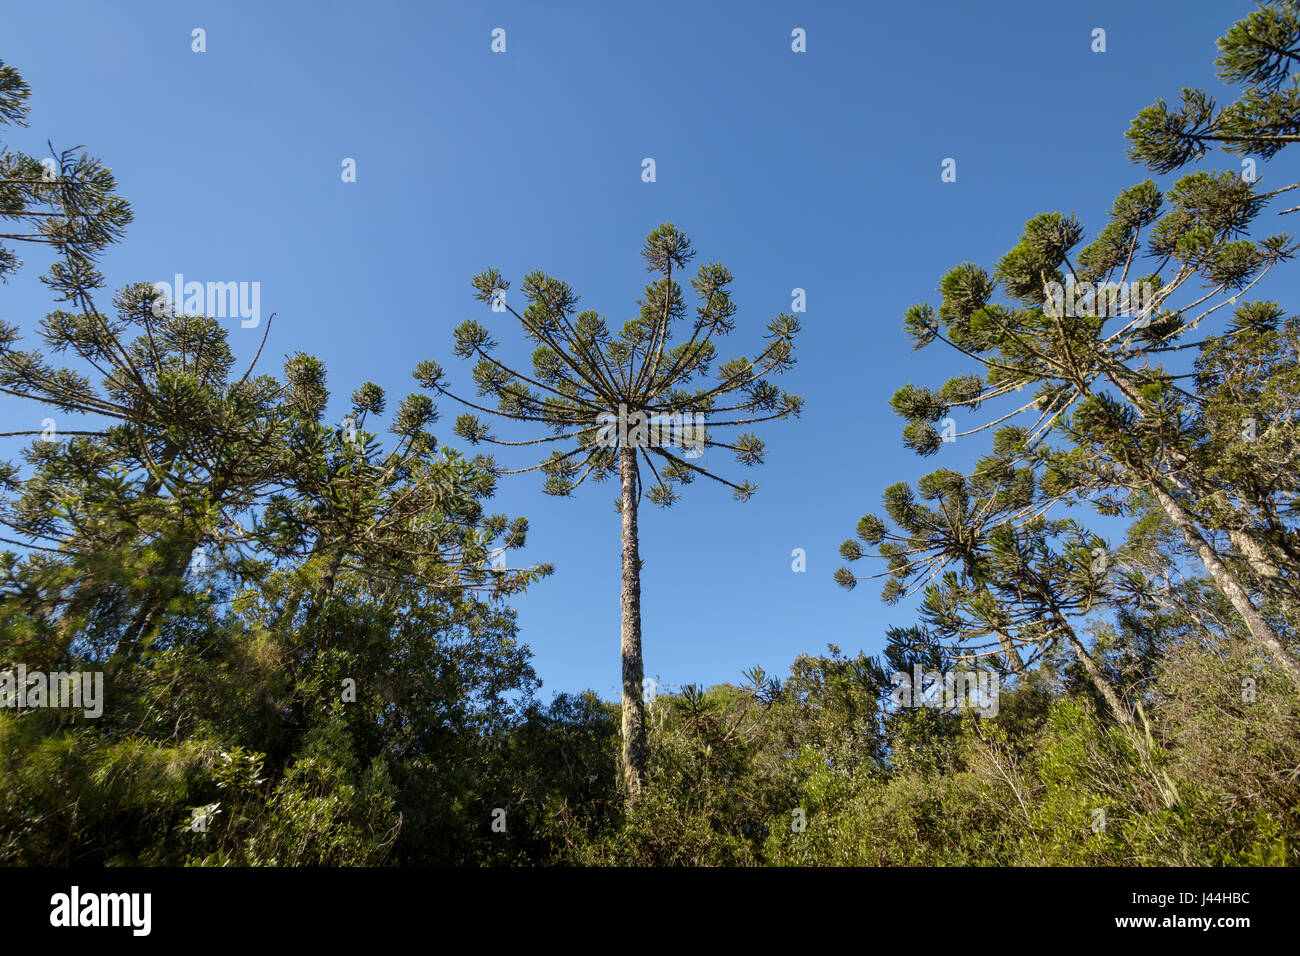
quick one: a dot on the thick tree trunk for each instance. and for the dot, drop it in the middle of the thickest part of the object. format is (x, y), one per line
(1228, 584)
(1269, 573)
(1117, 708)
(1223, 576)
(1010, 652)
(634, 746)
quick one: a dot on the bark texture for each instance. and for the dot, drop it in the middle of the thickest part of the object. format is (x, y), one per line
(634, 746)
(1228, 584)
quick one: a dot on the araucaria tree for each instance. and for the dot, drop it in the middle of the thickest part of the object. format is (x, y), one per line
(1154, 410)
(621, 401)
(1132, 433)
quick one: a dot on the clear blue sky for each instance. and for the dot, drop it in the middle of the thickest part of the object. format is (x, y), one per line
(818, 170)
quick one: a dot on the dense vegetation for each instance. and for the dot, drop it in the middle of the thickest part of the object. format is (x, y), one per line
(304, 628)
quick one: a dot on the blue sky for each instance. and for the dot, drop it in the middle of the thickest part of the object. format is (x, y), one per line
(818, 170)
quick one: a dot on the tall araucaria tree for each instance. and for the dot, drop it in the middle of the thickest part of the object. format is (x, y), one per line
(1132, 431)
(1260, 53)
(1016, 576)
(626, 400)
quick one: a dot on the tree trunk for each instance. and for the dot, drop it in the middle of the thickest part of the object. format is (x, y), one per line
(1227, 583)
(1095, 675)
(1223, 576)
(1009, 650)
(634, 746)
(1271, 580)
(1012, 654)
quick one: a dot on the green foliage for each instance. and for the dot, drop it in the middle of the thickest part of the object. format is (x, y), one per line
(342, 683)
(1258, 53)
(662, 363)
